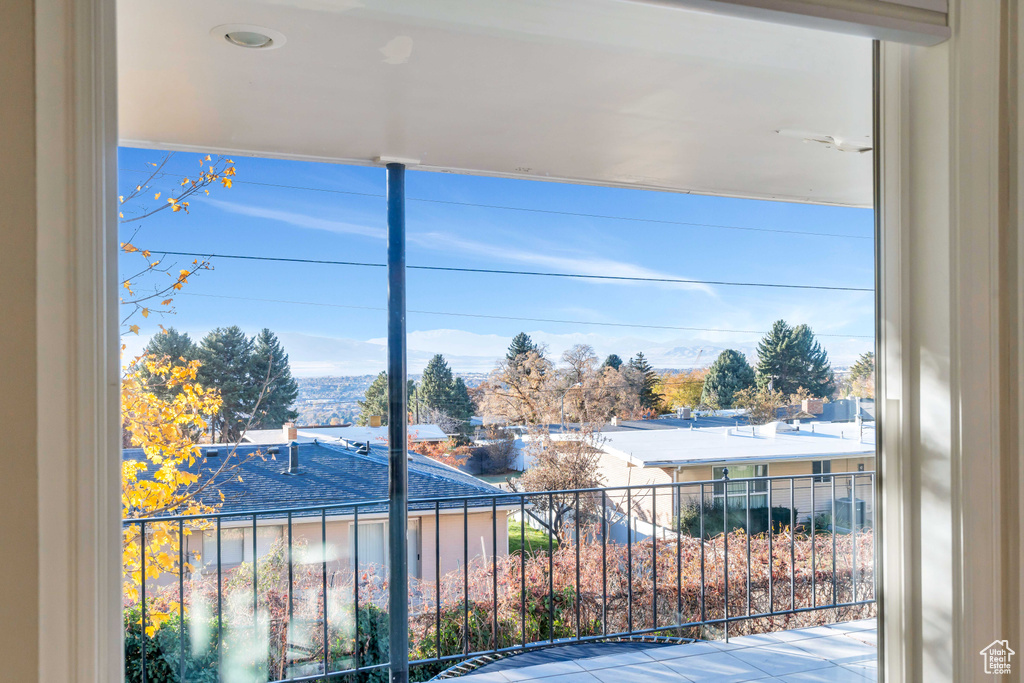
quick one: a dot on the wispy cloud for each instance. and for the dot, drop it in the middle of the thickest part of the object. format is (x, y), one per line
(582, 265)
(299, 220)
(447, 242)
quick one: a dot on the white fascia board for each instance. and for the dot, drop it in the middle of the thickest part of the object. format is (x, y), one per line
(915, 22)
(759, 458)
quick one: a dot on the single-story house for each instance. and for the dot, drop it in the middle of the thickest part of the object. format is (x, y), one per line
(643, 457)
(331, 472)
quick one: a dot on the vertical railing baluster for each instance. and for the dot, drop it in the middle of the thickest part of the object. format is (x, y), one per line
(465, 576)
(834, 569)
(181, 600)
(437, 571)
(255, 589)
(142, 567)
(291, 602)
(771, 551)
(629, 559)
(604, 563)
(725, 542)
(522, 566)
(578, 634)
(355, 583)
(323, 550)
(494, 572)
(220, 598)
(792, 543)
(703, 583)
(654, 556)
(679, 553)
(551, 568)
(874, 537)
(814, 565)
(747, 534)
(853, 531)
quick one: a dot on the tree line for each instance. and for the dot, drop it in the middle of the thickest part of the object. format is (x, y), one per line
(251, 374)
(440, 398)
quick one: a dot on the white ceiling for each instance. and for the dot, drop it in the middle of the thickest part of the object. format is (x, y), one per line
(595, 91)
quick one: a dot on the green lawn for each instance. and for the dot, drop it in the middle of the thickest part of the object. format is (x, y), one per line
(535, 539)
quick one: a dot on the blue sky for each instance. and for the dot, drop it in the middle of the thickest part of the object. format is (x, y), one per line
(267, 220)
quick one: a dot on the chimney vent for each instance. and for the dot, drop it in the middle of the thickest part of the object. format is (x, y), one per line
(375, 420)
(293, 457)
(291, 433)
(814, 406)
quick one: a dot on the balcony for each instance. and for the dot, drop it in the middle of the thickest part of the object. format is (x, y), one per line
(642, 573)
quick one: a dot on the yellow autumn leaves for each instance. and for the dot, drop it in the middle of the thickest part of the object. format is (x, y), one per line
(166, 429)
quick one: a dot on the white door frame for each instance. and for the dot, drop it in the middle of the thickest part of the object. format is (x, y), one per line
(950, 464)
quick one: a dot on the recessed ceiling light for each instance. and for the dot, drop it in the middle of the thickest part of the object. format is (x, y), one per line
(248, 36)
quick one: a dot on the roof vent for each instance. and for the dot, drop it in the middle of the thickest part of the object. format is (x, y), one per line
(212, 452)
(363, 449)
(293, 458)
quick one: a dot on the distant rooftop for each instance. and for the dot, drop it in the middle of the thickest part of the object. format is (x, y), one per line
(706, 445)
(373, 435)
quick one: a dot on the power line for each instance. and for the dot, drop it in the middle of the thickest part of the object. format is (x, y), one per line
(492, 271)
(506, 317)
(554, 212)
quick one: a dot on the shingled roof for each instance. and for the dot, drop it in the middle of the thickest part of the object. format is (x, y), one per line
(329, 473)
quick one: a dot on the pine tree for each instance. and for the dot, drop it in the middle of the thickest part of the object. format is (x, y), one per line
(521, 343)
(728, 374)
(273, 376)
(226, 356)
(647, 379)
(375, 401)
(436, 385)
(789, 358)
(864, 367)
(462, 405)
(612, 361)
(174, 346)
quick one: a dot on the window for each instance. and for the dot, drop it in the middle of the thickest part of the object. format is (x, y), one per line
(821, 467)
(737, 491)
(232, 547)
(236, 544)
(373, 544)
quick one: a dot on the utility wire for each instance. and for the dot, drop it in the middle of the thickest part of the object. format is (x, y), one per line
(505, 317)
(492, 271)
(553, 212)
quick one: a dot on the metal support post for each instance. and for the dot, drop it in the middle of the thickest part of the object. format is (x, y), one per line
(398, 464)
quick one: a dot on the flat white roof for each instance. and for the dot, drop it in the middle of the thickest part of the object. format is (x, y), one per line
(671, 447)
(376, 435)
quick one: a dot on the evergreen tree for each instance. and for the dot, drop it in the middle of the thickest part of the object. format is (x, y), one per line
(226, 356)
(168, 344)
(521, 343)
(728, 374)
(462, 405)
(437, 385)
(647, 379)
(272, 375)
(375, 401)
(864, 367)
(612, 361)
(789, 358)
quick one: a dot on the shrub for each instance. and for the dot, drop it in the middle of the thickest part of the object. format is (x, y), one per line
(164, 649)
(689, 519)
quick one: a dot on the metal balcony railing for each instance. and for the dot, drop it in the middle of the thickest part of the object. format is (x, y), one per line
(692, 559)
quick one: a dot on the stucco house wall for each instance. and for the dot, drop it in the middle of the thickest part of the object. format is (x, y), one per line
(307, 540)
